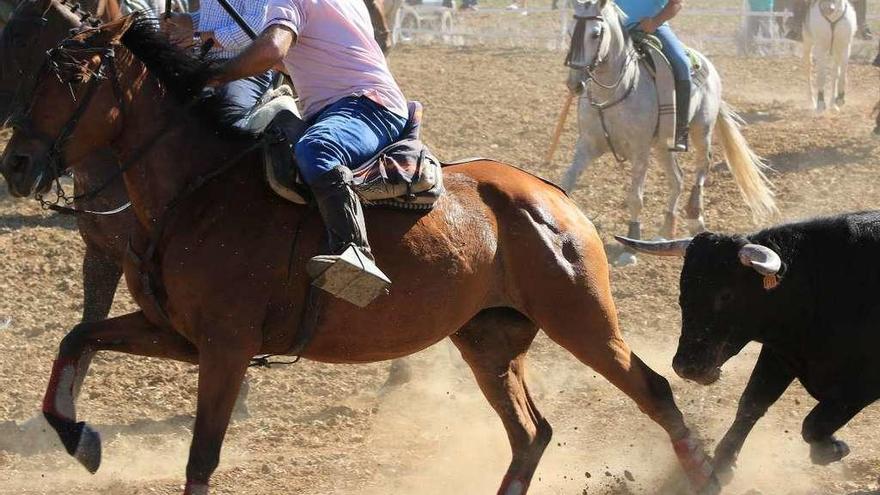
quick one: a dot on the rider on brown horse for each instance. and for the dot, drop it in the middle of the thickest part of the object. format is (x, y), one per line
(353, 107)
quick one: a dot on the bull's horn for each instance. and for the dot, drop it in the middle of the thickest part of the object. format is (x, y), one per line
(676, 247)
(763, 259)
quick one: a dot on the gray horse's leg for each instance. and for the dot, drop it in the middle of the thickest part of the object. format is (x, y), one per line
(674, 181)
(583, 156)
(702, 140)
(634, 203)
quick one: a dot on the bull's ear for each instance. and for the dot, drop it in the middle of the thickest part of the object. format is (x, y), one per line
(764, 261)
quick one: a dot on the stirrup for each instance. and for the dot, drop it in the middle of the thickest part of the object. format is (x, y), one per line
(351, 276)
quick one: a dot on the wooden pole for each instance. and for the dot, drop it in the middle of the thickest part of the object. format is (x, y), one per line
(560, 125)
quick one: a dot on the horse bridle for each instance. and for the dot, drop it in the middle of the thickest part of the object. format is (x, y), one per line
(575, 52)
(26, 87)
(61, 63)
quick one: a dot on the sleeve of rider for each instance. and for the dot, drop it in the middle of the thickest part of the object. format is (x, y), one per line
(232, 37)
(288, 13)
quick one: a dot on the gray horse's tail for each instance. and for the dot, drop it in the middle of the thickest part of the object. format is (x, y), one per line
(747, 167)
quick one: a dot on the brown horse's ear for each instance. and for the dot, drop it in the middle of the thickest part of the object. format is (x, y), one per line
(106, 34)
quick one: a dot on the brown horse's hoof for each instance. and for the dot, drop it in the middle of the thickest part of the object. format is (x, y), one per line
(80, 441)
(696, 466)
(824, 453)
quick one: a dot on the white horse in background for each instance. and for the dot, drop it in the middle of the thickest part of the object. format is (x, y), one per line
(828, 35)
(618, 112)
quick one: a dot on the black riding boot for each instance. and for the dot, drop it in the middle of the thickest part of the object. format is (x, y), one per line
(796, 22)
(343, 216)
(682, 114)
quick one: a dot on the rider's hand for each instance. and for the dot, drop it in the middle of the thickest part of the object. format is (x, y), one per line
(178, 28)
(648, 25)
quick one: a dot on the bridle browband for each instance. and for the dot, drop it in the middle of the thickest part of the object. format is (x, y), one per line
(575, 54)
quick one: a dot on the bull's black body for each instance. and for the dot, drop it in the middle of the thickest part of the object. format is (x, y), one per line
(820, 325)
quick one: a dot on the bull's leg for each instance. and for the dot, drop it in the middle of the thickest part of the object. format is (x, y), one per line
(675, 183)
(132, 334)
(770, 378)
(702, 139)
(819, 427)
(222, 367)
(494, 345)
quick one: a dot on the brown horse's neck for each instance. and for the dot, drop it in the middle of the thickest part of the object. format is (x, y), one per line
(162, 145)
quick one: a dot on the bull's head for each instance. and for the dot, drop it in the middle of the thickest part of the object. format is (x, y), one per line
(724, 282)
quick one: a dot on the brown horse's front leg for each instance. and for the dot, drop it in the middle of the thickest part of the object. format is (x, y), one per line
(222, 368)
(132, 334)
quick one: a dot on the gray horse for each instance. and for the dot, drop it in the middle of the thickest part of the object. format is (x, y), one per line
(618, 112)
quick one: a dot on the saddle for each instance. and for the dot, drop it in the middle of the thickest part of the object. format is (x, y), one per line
(650, 50)
(404, 175)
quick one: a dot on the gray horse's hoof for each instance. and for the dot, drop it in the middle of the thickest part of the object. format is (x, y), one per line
(626, 258)
(877, 130)
(824, 453)
(713, 487)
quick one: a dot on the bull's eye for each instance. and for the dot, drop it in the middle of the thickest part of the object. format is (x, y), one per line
(723, 298)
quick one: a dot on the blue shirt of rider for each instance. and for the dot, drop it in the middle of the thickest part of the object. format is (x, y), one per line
(636, 10)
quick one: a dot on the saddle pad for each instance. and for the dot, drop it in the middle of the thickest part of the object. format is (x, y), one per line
(403, 175)
(644, 41)
(665, 85)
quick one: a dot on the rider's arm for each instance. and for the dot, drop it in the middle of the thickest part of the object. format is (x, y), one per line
(673, 7)
(266, 52)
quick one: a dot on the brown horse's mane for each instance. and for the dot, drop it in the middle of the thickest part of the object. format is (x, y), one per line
(181, 73)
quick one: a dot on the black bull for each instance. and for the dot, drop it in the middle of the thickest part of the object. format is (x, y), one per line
(811, 299)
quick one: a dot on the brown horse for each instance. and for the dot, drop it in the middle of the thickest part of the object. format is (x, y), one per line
(217, 260)
(33, 28)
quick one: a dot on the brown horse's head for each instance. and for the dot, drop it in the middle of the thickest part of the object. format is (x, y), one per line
(72, 109)
(34, 28)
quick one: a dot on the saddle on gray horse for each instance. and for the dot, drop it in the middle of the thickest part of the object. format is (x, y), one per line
(402, 175)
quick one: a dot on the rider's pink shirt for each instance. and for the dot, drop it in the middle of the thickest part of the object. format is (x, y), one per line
(335, 54)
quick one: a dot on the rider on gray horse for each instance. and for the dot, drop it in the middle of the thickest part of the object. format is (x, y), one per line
(651, 16)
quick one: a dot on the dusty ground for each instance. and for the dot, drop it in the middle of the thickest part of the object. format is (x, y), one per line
(320, 429)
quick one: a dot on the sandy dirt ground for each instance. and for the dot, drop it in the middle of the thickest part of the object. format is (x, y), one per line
(322, 429)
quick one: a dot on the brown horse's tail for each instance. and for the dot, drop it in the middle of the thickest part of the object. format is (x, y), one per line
(747, 167)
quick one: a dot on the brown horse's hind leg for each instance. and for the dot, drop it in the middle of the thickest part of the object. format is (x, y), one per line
(494, 345)
(132, 334)
(591, 335)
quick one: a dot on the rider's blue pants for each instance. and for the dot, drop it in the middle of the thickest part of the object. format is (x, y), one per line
(674, 50)
(348, 133)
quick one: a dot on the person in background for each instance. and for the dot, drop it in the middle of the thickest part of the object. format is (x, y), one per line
(799, 16)
(211, 24)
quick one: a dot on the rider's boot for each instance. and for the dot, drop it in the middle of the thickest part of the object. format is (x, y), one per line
(682, 114)
(349, 270)
(796, 22)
